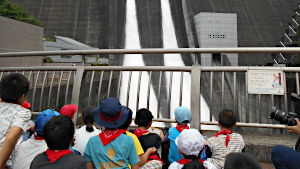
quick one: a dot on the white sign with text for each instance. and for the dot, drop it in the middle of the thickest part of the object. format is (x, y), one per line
(265, 82)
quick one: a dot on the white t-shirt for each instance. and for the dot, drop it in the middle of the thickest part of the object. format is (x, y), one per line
(12, 115)
(82, 137)
(27, 151)
(206, 164)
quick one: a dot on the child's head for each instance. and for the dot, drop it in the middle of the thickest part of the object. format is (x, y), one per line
(190, 143)
(68, 110)
(88, 118)
(143, 118)
(128, 121)
(14, 88)
(227, 118)
(241, 160)
(58, 132)
(110, 113)
(42, 119)
(183, 115)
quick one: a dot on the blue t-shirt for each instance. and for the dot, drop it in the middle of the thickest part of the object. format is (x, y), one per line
(174, 155)
(116, 154)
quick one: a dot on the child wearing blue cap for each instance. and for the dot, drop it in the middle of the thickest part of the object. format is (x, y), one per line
(34, 146)
(183, 117)
(112, 148)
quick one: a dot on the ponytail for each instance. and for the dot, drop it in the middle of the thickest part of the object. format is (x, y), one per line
(88, 118)
(89, 127)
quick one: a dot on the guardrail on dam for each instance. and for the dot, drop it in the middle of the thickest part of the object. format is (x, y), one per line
(52, 87)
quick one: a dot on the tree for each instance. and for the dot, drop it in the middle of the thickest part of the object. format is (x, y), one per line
(15, 11)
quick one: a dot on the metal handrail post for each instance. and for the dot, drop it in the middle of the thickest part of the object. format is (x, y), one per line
(76, 89)
(196, 97)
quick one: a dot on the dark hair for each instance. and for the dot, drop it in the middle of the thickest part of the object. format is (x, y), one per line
(128, 121)
(227, 118)
(195, 163)
(58, 132)
(143, 117)
(241, 160)
(88, 118)
(13, 86)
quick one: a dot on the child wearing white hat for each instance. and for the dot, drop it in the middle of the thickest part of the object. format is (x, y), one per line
(190, 144)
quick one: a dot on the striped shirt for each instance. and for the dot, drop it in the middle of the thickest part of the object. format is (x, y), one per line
(219, 149)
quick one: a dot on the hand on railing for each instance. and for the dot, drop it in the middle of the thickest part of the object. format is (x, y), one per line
(294, 129)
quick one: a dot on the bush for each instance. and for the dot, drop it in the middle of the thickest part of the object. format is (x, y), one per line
(15, 11)
(47, 59)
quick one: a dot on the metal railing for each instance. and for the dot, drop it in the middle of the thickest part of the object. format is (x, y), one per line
(221, 86)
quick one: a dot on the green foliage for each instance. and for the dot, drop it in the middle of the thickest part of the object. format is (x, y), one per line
(48, 39)
(15, 11)
(99, 64)
(47, 59)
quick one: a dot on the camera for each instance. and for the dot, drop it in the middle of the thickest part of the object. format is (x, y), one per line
(287, 118)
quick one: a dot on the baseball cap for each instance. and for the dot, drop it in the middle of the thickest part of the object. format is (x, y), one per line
(110, 113)
(190, 142)
(42, 119)
(182, 114)
(68, 110)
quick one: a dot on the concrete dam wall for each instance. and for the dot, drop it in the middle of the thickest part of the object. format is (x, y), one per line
(101, 23)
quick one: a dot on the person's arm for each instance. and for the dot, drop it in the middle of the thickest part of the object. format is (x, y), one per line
(90, 165)
(136, 166)
(294, 129)
(9, 144)
(144, 157)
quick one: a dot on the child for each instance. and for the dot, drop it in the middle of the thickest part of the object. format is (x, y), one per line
(190, 145)
(148, 140)
(13, 118)
(88, 130)
(225, 141)
(58, 134)
(34, 146)
(241, 160)
(183, 117)
(143, 156)
(68, 110)
(112, 148)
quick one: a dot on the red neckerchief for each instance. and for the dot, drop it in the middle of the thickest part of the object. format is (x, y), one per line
(108, 136)
(155, 157)
(54, 155)
(227, 132)
(37, 137)
(180, 127)
(185, 161)
(139, 132)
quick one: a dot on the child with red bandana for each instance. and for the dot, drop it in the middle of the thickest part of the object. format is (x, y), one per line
(190, 145)
(58, 134)
(225, 141)
(147, 139)
(112, 148)
(34, 146)
(183, 117)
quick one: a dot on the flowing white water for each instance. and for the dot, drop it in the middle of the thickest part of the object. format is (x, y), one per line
(132, 41)
(170, 41)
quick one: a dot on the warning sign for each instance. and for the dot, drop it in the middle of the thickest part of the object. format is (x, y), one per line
(265, 82)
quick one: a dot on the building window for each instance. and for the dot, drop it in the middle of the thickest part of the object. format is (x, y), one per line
(219, 36)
